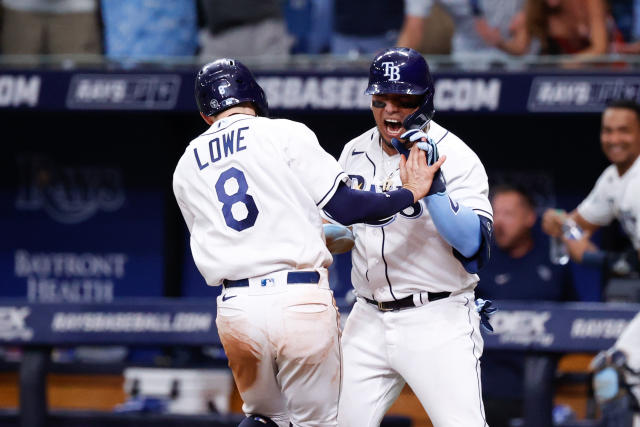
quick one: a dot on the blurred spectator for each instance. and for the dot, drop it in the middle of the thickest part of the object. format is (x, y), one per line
(626, 14)
(33, 27)
(561, 27)
(519, 270)
(364, 26)
(478, 25)
(438, 32)
(614, 196)
(311, 24)
(146, 28)
(243, 28)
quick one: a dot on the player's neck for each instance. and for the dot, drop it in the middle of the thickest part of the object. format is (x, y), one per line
(624, 167)
(241, 109)
(387, 147)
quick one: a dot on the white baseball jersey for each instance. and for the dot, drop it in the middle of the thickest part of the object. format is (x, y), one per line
(250, 190)
(629, 343)
(405, 254)
(615, 196)
(401, 256)
(233, 205)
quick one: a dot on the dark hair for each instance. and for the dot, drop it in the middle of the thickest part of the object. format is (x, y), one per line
(627, 104)
(516, 188)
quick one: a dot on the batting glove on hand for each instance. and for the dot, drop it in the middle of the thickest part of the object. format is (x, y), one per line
(438, 185)
(400, 147)
(411, 135)
(485, 310)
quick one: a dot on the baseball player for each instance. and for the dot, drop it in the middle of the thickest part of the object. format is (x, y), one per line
(414, 273)
(249, 189)
(616, 381)
(615, 194)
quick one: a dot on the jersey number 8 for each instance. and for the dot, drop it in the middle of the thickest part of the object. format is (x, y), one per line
(239, 196)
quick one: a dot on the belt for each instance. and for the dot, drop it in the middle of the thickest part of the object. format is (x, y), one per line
(301, 277)
(406, 302)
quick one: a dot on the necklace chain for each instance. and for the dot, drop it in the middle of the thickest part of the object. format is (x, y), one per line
(387, 182)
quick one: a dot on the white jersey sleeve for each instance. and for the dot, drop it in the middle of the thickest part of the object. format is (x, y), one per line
(319, 172)
(596, 208)
(420, 8)
(635, 236)
(466, 178)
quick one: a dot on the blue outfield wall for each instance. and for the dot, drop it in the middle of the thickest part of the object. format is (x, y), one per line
(515, 92)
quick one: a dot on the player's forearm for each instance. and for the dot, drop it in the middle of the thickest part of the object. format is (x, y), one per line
(578, 248)
(457, 224)
(349, 206)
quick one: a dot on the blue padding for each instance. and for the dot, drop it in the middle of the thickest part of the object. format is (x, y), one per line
(457, 224)
(476, 262)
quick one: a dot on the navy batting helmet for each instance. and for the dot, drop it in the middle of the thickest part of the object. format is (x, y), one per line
(257, 421)
(225, 83)
(401, 70)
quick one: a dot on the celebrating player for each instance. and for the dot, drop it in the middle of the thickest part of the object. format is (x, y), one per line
(615, 194)
(249, 189)
(414, 273)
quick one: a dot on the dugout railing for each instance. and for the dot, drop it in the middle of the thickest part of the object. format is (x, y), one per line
(538, 329)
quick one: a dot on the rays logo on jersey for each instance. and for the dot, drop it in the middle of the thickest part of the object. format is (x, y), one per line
(412, 212)
(391, 71)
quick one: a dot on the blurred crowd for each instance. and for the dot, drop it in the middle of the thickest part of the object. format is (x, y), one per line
(249, 28)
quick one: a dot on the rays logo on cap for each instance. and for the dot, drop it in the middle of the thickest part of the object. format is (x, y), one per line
(391, 71)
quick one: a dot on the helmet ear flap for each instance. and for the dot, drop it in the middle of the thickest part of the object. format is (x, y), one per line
(257, 421)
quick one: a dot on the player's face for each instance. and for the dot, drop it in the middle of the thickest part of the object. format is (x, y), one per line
(389, 110)
(512, 219)
(620, 137)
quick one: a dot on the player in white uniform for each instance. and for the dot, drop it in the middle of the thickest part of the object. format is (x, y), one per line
(629, 344)
(615, 194)
(414, 319)
(616, 379)
(249, 189)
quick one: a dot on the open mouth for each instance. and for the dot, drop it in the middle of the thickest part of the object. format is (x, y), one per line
(393, 127)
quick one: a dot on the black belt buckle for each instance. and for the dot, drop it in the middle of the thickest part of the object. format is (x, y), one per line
(381, 306)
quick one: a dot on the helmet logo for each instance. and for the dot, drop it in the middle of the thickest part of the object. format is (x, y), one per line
(391, 71)
(214, 104)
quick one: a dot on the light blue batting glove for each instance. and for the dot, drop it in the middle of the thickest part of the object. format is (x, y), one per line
(428, 145)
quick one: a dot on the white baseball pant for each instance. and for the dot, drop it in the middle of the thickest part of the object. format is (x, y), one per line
(283, 345)
(435, 348)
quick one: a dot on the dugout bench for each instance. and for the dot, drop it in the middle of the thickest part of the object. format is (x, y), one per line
(539, 329)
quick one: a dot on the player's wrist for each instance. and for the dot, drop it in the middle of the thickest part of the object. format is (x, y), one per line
(438, 185)
(415, 191)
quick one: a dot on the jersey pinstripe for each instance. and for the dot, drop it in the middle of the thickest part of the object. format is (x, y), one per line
(405, 254)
